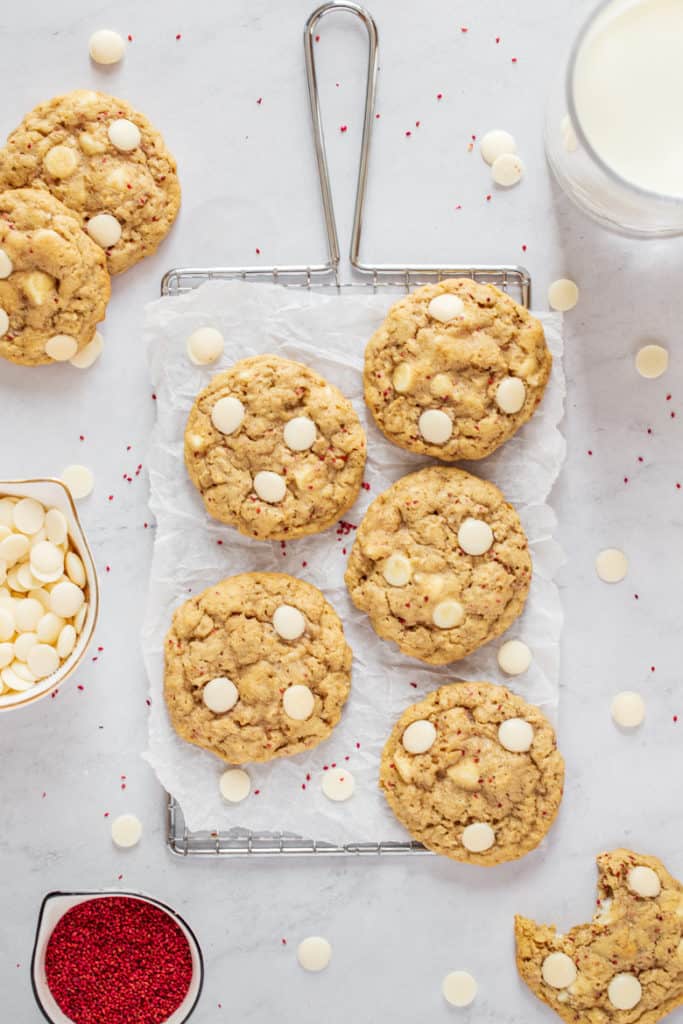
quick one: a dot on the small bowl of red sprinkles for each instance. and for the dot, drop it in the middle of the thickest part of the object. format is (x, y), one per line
(114, 958)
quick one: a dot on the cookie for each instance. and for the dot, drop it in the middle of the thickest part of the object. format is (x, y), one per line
(257, 667)
(440, 564)
(54, 284)
(103, 160)
(473, 772)
(274, 450)
(455, 370)
(626, 965)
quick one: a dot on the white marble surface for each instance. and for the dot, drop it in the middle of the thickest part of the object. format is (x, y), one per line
(249, 182)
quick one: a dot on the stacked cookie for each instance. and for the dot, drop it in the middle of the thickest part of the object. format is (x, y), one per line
(257, 666)
(87, 188)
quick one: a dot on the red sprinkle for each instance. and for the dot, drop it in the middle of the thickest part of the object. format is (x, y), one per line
(179, 36)
(343, 128)
(675, 718)
(260, 100)
(439, 95)
(130, 39)
(118, 959)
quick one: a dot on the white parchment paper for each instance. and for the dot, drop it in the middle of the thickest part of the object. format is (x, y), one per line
(328, 333)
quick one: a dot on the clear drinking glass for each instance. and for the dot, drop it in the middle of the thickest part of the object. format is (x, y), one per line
(613, 133)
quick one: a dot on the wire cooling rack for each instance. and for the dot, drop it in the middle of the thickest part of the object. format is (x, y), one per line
(394, 277)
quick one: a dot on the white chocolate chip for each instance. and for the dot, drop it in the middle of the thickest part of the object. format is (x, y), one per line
(436, 426)
(227, 414)
(61, 347)
(475, 537)
(66, 599)
(28, 614)
(66, 641)
(563, 295)
(652, 361)
(507, 170)
(419, 737)
(288, 622)
(42, 660)
(235, 785)
(23, 644)
(514, 657)
(516, 735)
(558, 970)
(448, 613)
(300, 433)
(126, 831)
(397, 570)
(643, 881)
(496, 143)
(60, 161)
(6, 265)
(38, 287)
(314, 953)
(75, 569)
(628, 709)
(6, 654)
(106, 46)
(80, 617)
(441, 385)
(220, 695)
(478, 837)
(611, 565)
(13, 548)
(49, 627)
(13, 681)
(29, 515)
(47, 561)
(7, 629)
(79, 480)
(124, 135)
(338, 784)
(270, 487)
(104, 229)
(459, 988)
(402, 378)
(510, 395)
(624, 991)
(298, 702)
(204, 346)
(89, 354)
(56, 526)
(446, 307)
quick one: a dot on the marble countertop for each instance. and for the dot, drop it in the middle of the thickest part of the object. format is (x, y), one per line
(249, 183)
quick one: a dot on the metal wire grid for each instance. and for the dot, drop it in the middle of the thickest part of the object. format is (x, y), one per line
(324, 277)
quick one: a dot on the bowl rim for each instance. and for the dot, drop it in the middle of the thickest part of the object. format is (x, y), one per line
(88, 894)
(39, 691)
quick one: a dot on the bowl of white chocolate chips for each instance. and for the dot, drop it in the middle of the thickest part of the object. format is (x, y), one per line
(48, 590)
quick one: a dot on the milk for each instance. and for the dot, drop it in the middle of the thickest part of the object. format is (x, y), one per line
(628, 92)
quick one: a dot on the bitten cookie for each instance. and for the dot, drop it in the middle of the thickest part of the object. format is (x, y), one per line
(54, 285)
(257, 667)
(103, 160)
(455, 370)
(626, 965)
(440, 564)
(473, 772)
(274, 450)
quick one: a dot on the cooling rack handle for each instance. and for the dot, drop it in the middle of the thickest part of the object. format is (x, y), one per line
(318, 133)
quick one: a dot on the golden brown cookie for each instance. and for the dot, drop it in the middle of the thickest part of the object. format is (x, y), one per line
(105, 161)
(440, 564)
(626, 965)
(54, 285)
(455, 370)
(473, 772)
(257, 667)
(274, 450)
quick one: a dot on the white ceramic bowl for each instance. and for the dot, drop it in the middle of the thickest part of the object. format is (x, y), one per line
(56, 904)
(55, 494)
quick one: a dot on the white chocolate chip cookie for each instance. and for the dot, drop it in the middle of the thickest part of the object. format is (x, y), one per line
(103, 160)
(243, 680)
(274, 450)
(440, 563)
(459, 788)
(455, 370)
(54, 285)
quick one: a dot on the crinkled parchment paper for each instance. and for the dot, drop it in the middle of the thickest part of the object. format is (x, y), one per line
(328, 333)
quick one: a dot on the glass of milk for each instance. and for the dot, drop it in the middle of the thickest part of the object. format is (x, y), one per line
(614, 124)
